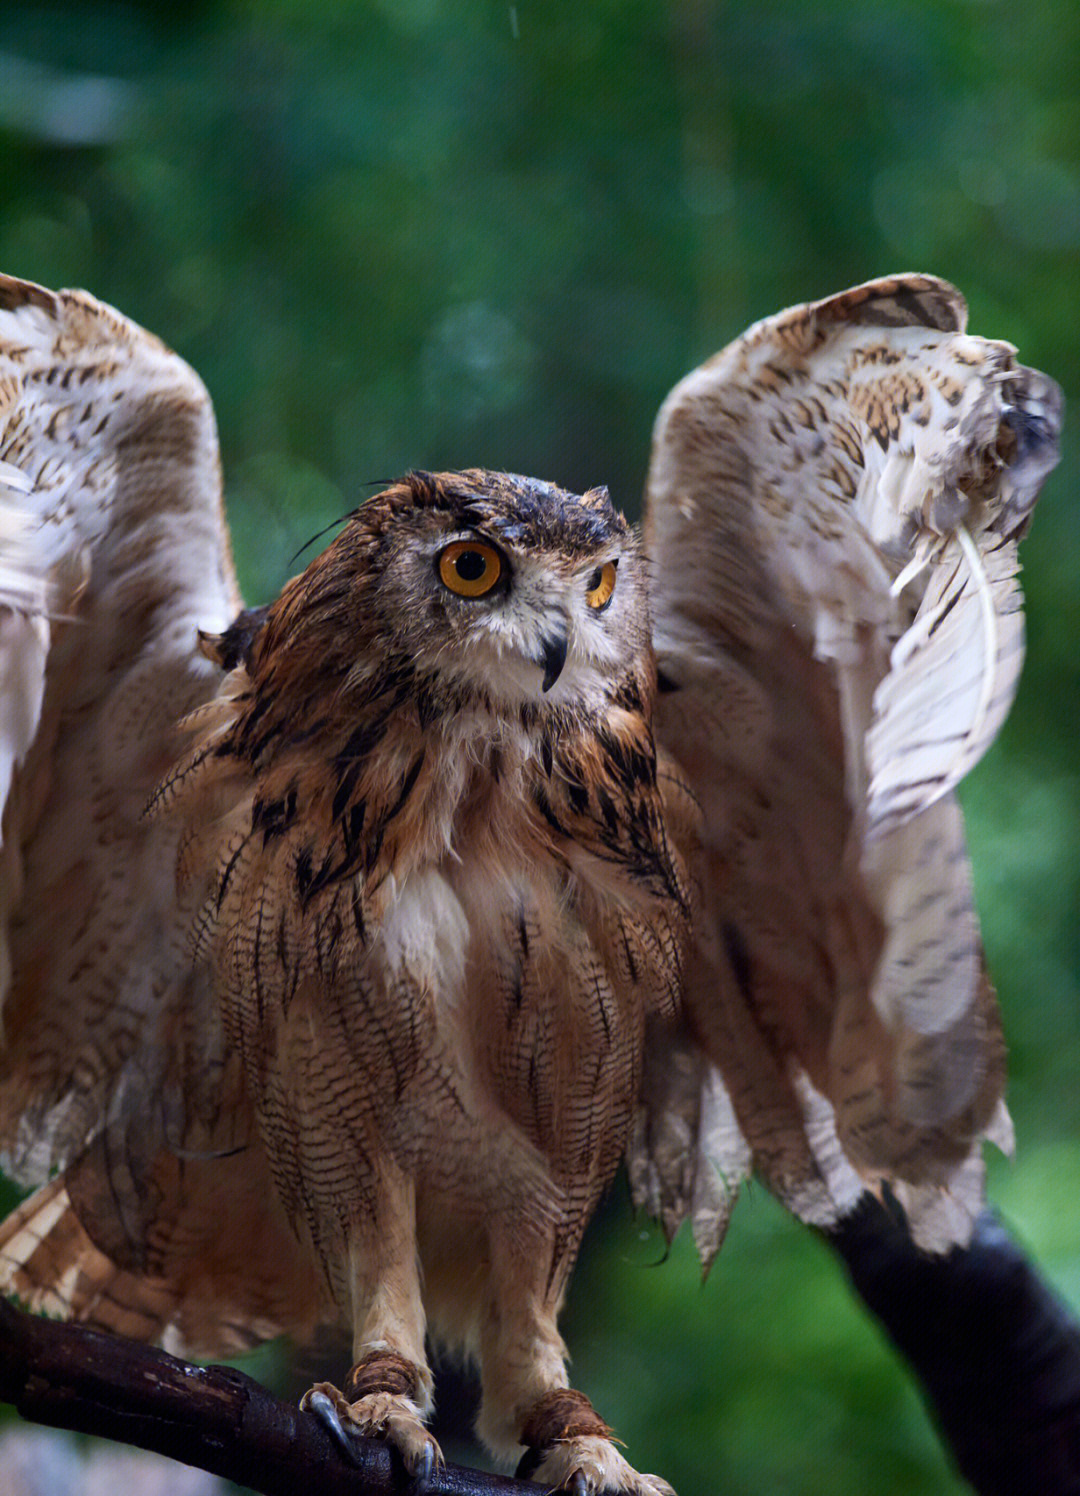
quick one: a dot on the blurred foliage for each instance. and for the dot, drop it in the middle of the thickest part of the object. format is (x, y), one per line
(435, 233)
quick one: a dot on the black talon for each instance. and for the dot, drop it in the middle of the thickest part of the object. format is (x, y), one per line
(324, 1410)
(528, 1464)
(425, 1467)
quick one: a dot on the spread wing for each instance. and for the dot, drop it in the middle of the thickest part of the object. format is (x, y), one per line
(834, 506)
(113, 554)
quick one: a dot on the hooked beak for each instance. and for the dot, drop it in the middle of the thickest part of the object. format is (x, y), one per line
(553, 657)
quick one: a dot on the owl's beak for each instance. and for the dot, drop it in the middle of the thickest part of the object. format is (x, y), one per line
(553, 657)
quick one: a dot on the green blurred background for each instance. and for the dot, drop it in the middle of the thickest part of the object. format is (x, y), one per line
(439, 233)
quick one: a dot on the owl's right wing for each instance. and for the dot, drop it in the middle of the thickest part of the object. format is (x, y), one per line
(114, 1081)
(834, 506)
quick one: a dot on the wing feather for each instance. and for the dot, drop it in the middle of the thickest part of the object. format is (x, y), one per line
(24, 626)
(952, 679)
(687, 1155)
(834, 506)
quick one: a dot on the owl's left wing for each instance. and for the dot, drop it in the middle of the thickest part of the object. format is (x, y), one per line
(834, 507)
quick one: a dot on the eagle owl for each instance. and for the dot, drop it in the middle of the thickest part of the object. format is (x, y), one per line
(351, 942)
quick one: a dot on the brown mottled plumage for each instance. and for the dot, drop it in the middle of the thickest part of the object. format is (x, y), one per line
(438, 908)
(422, 926)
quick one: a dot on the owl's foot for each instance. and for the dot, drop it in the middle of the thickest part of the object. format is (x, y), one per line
(390, 1415)
(587, 1466)
(569, 1448)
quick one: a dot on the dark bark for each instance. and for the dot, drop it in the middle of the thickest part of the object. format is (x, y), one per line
(213, 1417)
(998, 1355)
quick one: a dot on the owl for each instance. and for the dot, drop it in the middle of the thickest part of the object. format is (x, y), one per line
(351, 942)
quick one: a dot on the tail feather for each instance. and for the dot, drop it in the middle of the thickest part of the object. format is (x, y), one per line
(50, 1263)
(221, 1270)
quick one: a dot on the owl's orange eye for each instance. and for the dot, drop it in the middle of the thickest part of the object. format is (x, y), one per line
(470, 567)
(601, 586)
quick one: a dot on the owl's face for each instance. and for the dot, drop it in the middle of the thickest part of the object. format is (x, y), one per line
(511, 587)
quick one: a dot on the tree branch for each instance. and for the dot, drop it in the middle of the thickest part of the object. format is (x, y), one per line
(997, 1353)
(213, 1417)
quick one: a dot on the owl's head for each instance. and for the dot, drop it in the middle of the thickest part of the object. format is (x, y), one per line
(504, 585)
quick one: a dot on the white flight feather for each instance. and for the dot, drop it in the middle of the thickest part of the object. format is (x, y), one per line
(990, 631)
(915, 568)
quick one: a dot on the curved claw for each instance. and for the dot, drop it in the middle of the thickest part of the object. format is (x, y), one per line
(324, 1410)
(424, 1468)
(529, 1463)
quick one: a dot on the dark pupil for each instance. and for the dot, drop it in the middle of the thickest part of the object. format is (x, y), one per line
(595, 580)
(470, 566)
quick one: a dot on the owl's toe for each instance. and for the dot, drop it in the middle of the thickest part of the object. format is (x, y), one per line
(591, 1466)
(331, 1409)
(377, 1415)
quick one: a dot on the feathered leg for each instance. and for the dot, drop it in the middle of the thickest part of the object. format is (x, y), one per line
(527, 1398)
(388, 1392)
